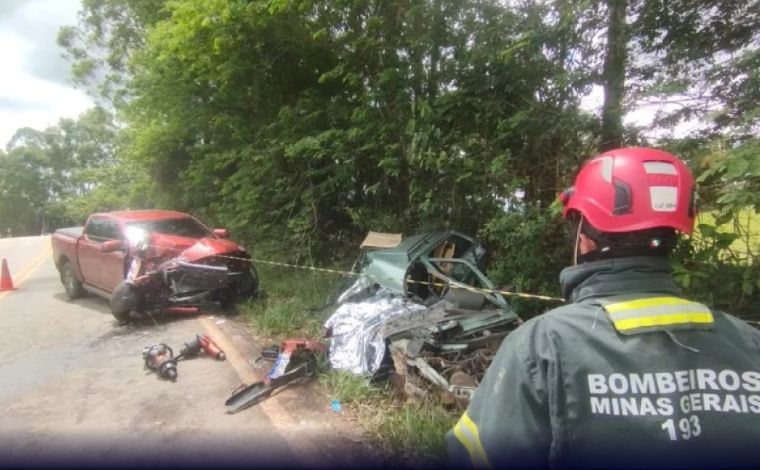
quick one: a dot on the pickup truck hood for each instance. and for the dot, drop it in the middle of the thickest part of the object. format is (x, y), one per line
(191, 249)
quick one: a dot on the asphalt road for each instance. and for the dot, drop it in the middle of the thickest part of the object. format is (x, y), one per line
(73, 389)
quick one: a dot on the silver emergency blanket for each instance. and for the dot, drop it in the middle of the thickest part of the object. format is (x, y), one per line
(357, 343)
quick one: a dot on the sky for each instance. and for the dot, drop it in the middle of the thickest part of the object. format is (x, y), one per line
(642, 116)
(35, 89)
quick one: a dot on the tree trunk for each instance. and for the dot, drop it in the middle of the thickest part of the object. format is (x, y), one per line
(613, 75)
(436, 38)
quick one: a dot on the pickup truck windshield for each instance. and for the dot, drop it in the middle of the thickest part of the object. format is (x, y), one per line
(184, 227)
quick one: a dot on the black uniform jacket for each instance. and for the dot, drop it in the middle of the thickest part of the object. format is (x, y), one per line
(629, 374)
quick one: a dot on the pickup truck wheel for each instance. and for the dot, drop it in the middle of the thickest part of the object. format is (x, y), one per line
(124, 300)
(74, 289)
(247, 285)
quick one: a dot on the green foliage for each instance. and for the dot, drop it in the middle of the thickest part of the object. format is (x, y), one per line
(534, 247)
(699, 56)
(734, 177)
(705, 270)
(303, 124)
(721, 263)
(100, 47)
(120, 186)
(23, 191)
(321, 120)
(58, 176)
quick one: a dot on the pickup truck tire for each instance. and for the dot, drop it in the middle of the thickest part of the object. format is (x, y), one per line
(124, 300)
(248, 284)
(73, 286)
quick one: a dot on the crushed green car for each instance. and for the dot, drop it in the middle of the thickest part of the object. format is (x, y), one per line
(430, 266)
(422, 305)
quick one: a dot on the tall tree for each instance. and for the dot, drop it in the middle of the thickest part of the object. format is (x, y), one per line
(101, 45)
(613, 75)
(320, 119)
(45, 173)
(696, 59)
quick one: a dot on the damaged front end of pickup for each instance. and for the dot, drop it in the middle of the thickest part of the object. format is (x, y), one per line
(179, 275)
(423, 311)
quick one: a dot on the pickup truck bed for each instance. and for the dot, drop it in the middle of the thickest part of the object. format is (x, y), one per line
(77, 260)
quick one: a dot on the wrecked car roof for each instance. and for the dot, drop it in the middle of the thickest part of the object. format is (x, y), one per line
(388, 266)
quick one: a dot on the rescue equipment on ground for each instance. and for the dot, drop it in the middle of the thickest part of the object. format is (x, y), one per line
(294, 359)
(160, 357)
(202, 343)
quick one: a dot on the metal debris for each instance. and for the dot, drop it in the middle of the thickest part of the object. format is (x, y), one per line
(439, 337)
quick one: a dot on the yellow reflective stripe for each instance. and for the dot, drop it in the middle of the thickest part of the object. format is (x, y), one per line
(646, 303)
(667, 319)
(467, 432)
(465, 440)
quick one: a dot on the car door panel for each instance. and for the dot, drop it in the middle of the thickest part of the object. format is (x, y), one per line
(89, 252)
(112, 264)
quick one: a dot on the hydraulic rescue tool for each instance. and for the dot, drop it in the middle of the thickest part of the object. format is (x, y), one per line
(202, 342)
(160, 359)
(295, 359)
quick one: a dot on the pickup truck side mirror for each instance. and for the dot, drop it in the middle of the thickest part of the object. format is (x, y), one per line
(221, 233)
(111, 245)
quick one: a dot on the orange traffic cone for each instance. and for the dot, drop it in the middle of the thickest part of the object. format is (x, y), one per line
(6, 283)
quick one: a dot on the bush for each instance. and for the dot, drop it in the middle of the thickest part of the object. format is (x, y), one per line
(531, 248)
(718, 266)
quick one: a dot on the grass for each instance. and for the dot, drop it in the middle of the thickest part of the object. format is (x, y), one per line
(410, 432)
(417, 431)
(297, 304)
(351, 388)
(294, 301)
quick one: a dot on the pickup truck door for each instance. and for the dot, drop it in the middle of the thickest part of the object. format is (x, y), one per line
(112, 264)
(102, 270)
(88, 251)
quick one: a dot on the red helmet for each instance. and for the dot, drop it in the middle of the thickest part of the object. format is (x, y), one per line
(630, 189)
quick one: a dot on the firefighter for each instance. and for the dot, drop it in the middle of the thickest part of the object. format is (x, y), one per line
(629, 372)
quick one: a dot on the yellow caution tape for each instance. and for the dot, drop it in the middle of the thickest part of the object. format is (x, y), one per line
(351, 273)
(409, 281)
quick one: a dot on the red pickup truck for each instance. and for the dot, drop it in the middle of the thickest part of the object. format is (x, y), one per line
(97, 257)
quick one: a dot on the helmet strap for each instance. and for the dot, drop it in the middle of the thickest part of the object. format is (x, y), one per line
(577, 250)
